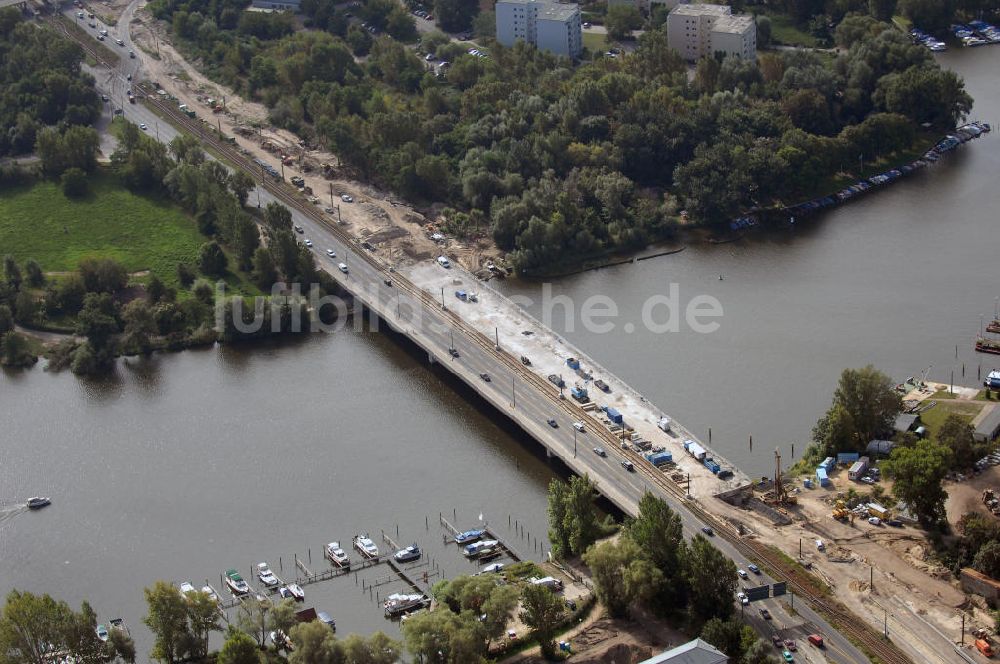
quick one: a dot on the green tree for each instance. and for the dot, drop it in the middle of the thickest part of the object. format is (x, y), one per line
(33, 273)
(239, 648)
(621, 20)
(140, 325)
(712, 579)
(11, 272)
(622, 574)
(314, 644)
(31, 626)
(203, 619)
(729, 636)
(444, 636)
(987, 559)
(542, 611)
(573, 522)
(376, 649)
(869, 401)
(763, 31)
(168, 621)
(759, 652)
(211, 259)
(277, 217)
(241, 183)
(882, 10)
(659, 532)
(74, 182)
(98, 320)
(956, 434)
(103, 275)
(6, 319)
(454, 15)
(185, 274)
(918, 472)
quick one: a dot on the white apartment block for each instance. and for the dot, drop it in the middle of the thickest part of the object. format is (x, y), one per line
(697, 30)
(545, 24)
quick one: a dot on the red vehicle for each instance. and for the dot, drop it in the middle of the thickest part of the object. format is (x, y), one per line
(816, 640)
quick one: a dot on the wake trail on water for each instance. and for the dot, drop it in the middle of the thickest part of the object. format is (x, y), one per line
(9, 512)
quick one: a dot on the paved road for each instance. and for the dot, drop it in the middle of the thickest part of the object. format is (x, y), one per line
(429, 328)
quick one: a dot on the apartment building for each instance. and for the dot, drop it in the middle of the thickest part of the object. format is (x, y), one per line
(545, 24)
(699, 30)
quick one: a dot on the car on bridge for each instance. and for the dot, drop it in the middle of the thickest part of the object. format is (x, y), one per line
(599, 451)
(485, 377)
(298, 229)
(742, 573)
(744, 600)
(453, 352)
(627, 465)
(552, 423)
(331, 253)
(579, 427)
(708, 531)
(342, 267)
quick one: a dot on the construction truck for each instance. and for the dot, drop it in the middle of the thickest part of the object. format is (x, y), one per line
(840, 511)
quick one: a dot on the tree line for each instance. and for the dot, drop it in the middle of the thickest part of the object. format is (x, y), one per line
(557, 162)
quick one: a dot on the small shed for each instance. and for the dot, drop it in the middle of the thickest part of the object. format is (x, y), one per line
(858, 469)
(822, 477)
(906, 422)
(880, 447)
(986, 425)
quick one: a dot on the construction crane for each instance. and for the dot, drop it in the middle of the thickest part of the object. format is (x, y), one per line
(779, 487)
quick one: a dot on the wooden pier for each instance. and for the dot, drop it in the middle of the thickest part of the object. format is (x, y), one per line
(490, 534)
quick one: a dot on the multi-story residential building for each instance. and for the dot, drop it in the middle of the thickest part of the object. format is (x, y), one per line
(547, 25)
(698, 30)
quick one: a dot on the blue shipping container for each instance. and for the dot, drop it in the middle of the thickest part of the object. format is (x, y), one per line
(712, 465)
(828, 464)
(822, 477)
(847, 457)
(614, 415)
(659, 458)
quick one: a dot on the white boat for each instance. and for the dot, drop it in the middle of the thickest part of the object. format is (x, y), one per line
(476, 549)
(265, 575)
(400, 603)
(494, 568)
(38, 502)
(336, 555)
(102, 633)
(408, 554)
(235, 582)
(186, 588)
(292, 591)
(210, 591)
(366, 547)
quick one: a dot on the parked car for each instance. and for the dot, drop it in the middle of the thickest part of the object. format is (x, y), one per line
(742, 573)
(764, 613)
(744, 600)
(347, 198)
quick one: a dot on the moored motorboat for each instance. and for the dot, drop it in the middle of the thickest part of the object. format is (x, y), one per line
(984, 345)
(477, 549)
(400, 603)
(102, 633)
(38, 502)
(266, 576)
(336, 555)
(235, 582)
(408, 554)
(469, 536)
(292, 591)
(365, 546)
(118, 624)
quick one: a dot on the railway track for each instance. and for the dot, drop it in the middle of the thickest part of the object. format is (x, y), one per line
(842, 619)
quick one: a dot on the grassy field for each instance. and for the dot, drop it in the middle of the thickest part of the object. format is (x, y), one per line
(934, 418)
(39, 222)
(784, 31)
(596, 42)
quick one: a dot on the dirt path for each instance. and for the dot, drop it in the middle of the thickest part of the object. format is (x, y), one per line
(399, 232)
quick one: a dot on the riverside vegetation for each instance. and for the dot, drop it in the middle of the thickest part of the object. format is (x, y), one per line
(560, 161)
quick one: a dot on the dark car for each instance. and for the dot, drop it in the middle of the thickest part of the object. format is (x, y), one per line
(708, 531)
(599, 451)
(627, 465)
(765, 614)
(453, 352)
(552, 423)
(485, 377)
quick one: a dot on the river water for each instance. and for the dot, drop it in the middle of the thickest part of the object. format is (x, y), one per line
(896, 279)
(184, 465)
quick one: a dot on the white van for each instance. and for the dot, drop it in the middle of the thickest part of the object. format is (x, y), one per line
(342, 267)
(549, 582)
(819, 545)
(443, 262)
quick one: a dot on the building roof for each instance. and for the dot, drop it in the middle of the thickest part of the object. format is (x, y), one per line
(989, 424)
(880, 447)
(692, 652)
(905, 421)
(558, 11)
(733, 24)
(701, 10)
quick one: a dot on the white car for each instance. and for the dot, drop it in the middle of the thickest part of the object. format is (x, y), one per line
(819, 545)
(443, 262)
(743, 598)
(874, 520)
(265, 575)
(347, 198)
(142, 125)
(742, 573)
(331, 253)
(342, 267)
(308, 242)
(578, 426)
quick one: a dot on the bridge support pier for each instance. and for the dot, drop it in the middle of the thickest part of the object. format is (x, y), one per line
(431, 358)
